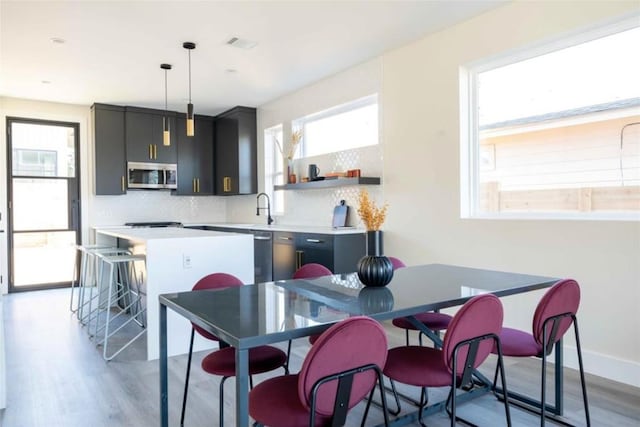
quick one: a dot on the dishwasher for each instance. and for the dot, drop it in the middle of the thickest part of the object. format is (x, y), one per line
(262, 256)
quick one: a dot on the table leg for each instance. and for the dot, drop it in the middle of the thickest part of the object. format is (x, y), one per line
(164, 392)
(242, 388)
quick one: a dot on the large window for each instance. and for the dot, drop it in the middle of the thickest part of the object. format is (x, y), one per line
(344, 127)
(555, 131)
(274, 167)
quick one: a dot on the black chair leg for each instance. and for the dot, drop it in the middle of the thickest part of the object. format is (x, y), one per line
(286, 366)
(186, 380)
(424, 399)
(406, 335)
(505, 393)
(396, 398)
(221, 407)
(581, 366)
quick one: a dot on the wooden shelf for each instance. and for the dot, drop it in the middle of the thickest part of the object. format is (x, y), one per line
(329, 183)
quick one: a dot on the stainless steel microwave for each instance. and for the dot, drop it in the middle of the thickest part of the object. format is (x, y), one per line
(152, 175)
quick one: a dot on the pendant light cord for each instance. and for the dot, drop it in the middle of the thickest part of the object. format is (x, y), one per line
(165, 91)
(189, 76)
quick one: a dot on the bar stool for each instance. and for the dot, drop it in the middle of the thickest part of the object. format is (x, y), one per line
(123, 294)
(79, 272)
(90, 269)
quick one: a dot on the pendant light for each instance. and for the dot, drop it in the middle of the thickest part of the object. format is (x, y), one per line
(166, 133)
(190, 131)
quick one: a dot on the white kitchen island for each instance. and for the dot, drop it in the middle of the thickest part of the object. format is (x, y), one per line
(176, 258)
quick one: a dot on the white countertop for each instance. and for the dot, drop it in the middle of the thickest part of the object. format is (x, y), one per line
(283, 227)
(145, 234)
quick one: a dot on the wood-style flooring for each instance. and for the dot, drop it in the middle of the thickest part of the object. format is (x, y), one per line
(56, 378)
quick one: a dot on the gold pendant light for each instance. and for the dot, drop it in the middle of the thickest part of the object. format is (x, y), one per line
(166, 133)
(190, 131)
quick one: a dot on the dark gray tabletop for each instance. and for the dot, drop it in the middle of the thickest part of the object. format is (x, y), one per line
(272, 312)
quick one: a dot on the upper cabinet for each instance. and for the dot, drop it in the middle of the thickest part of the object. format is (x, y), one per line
(109, 139)
(236, 152)
(195, 157)
(143, 129)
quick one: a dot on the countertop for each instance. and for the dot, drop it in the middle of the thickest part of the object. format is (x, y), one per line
(145, 234)
(282, 227)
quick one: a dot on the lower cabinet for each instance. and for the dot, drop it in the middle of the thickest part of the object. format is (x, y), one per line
(338, 252)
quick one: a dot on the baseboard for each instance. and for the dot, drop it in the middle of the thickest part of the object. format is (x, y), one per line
(602, 365)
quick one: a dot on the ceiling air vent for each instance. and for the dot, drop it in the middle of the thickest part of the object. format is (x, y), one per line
(241, 43)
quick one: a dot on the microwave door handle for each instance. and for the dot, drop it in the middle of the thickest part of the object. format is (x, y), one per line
(164, 181)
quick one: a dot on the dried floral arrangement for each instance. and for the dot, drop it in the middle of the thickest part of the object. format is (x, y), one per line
(296, 137)
(372, 216)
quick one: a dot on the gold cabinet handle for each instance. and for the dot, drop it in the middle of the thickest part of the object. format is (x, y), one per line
(227, 184)
(198, 184)
(150, 152)
(155, 152)
(122, 183)
(193, 185)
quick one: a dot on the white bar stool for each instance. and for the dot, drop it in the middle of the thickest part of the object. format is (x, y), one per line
(80, 275)
(123, 294)
(88, 292)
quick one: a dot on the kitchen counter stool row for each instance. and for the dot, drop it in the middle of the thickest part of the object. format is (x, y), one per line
(107, 296)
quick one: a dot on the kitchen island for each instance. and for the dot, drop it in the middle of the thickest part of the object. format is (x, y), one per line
(176, 258)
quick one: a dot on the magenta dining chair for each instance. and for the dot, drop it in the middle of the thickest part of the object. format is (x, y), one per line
(339, 371)
(470, 338)
(432, 320)
(553, 317)
(309, 271)
(222, 362)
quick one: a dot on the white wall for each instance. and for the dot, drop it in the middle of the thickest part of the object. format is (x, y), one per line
(422, 185)
(315, 207)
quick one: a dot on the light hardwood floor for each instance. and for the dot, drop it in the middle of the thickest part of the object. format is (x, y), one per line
(57, 378)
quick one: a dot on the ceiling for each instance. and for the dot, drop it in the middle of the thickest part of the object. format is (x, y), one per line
(112, 50)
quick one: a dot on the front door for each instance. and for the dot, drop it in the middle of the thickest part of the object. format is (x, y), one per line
(44, 203)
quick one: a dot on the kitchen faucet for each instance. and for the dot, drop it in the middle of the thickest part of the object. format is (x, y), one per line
(268, 208)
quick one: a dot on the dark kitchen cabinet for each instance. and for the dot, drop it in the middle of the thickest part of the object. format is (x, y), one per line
(143, 130)
(195, 157)
(236, 152)
(338, 252)
(109, 143)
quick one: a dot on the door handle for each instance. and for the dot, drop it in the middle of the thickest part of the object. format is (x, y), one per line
(299, 259)
(261, 238)
(315, 241)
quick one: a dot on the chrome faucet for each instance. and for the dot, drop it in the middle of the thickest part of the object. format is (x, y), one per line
(268, 208)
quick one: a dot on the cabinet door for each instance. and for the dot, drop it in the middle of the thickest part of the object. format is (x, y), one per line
(139, 136)
(203, 162)
(347, 251)
(226, 156)
(109, 138)
(195, 157)
(314, 248)
(284, 255)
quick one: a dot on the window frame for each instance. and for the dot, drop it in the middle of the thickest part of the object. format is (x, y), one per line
(470, 131)
(271, 168)
(365, 101)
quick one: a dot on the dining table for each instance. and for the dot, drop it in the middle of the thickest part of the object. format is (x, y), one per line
(279, 311)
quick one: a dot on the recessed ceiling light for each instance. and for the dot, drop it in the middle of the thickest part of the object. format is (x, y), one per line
(57, 40)
(241, 43)
(230, 71)
(46, 82)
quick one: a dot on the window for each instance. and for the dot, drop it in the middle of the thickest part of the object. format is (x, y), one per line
(347, 126)
(274, 167)
(556, 133)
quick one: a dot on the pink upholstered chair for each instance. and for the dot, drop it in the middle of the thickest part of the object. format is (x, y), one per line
(553, 317)
(339, 371)
(222, 362)
(470, 338)
(432, 320)
(309, 271)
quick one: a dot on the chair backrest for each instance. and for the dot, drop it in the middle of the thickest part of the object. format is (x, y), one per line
(311, 270)
(562, 298)
(214, 281)
(479, 316)
(354, 342)
(397, 263)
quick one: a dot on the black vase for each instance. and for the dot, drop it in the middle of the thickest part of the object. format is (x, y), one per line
(374, 269)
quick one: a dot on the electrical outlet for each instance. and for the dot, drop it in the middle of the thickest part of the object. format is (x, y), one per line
(186, 261)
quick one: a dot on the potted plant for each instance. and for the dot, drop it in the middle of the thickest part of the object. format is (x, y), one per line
(374, 269)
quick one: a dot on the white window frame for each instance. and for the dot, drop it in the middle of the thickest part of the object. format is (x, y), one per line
(469, 125)
(333, 111)
(273, 174)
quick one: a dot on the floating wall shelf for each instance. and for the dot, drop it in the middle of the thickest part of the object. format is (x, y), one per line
(329, 183)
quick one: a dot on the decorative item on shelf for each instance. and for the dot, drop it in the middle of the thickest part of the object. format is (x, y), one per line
(374, 269)
(296, 137)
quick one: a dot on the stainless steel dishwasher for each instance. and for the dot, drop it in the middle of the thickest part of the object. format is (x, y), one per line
(263, 255)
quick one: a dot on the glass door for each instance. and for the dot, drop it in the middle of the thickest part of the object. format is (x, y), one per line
(44, 203)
